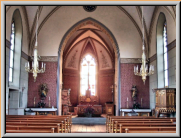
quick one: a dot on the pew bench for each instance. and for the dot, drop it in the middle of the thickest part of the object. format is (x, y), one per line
(120, 128)
(60, 126)
(29, 117)
(38, 128)
(66, 127)
(31, 131)
(134, 120)
(150, 129)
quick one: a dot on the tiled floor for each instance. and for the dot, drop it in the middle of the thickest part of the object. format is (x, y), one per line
(88, 128)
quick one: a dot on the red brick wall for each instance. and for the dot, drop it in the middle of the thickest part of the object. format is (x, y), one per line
(49, 77)
(71, 81)
(106, 80)
(127, 80)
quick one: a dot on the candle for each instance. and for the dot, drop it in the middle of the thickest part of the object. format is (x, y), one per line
(49, 97)
(127, 98)
(42, 65)
(141, 99)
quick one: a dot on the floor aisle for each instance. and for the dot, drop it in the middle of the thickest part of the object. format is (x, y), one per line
(88, 128)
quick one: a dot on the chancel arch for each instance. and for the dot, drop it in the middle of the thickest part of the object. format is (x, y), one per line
(89, 37)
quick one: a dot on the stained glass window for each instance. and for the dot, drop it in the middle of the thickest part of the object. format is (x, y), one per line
(88, 75)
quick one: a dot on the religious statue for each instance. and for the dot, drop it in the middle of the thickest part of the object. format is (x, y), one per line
(43, 90)
(134, 93)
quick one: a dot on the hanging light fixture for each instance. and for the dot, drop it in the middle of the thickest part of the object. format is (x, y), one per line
(35, 65)
(144, 68)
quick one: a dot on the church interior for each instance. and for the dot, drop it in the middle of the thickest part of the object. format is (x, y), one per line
(90, 62)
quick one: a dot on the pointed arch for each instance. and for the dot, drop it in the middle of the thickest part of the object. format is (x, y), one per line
(159, 47)
(113, 41)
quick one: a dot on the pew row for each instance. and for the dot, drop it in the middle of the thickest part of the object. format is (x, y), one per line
(150, 130)
(31, 131)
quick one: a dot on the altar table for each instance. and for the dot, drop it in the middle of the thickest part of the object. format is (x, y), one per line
(97, 110)
(141, 112)
(42, 111)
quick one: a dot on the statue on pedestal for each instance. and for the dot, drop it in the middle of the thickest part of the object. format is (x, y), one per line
(134, 93)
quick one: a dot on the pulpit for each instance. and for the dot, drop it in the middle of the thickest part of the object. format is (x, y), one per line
(165, 101)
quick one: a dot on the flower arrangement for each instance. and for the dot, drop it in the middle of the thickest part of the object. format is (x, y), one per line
(136, 106)
(89, 110)
(43, 90)
(41, 104)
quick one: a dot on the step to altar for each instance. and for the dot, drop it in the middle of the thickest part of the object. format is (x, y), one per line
(89, 120)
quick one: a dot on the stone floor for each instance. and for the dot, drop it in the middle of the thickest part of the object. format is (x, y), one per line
(88, 128)
(88, 125)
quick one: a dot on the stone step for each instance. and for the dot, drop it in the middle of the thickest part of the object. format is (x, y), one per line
(89, 120)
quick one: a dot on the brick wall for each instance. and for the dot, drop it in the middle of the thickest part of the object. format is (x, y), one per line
(105, 81)
(127, 80)
(49, 77)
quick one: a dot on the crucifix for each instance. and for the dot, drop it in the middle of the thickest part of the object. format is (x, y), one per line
(112, 87)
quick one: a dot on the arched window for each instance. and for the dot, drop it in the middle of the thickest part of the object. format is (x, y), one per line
(165, 55)
(11, 62)
(162, 53)
(88, 75)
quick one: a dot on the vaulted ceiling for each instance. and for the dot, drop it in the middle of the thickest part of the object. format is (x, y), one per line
(133, 12)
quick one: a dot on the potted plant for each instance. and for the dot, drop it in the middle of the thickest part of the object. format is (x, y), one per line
(89, 111)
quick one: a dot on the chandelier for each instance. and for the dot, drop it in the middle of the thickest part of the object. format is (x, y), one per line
(144, 68)
(35, 65)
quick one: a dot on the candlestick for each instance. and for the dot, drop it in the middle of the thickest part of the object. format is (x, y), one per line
(49, 101)
(141, 102)
(34, 101)
(127, 104)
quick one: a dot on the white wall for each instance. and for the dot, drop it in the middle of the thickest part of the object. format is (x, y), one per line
(9, 15)
(172, 68)
(171, 30)
(20, 75)
(112, 17)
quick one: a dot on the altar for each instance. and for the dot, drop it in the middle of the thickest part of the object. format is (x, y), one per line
(141, 112)
(42, 111)
(82, 109)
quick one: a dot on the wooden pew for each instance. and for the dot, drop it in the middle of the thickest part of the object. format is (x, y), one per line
(108, 119)
(61, 126)
(29, 117)
(38, 128)
(31, 131)
(115, 124)
(119, 128)
(66, 127)
(136, 120)
(150, 129)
